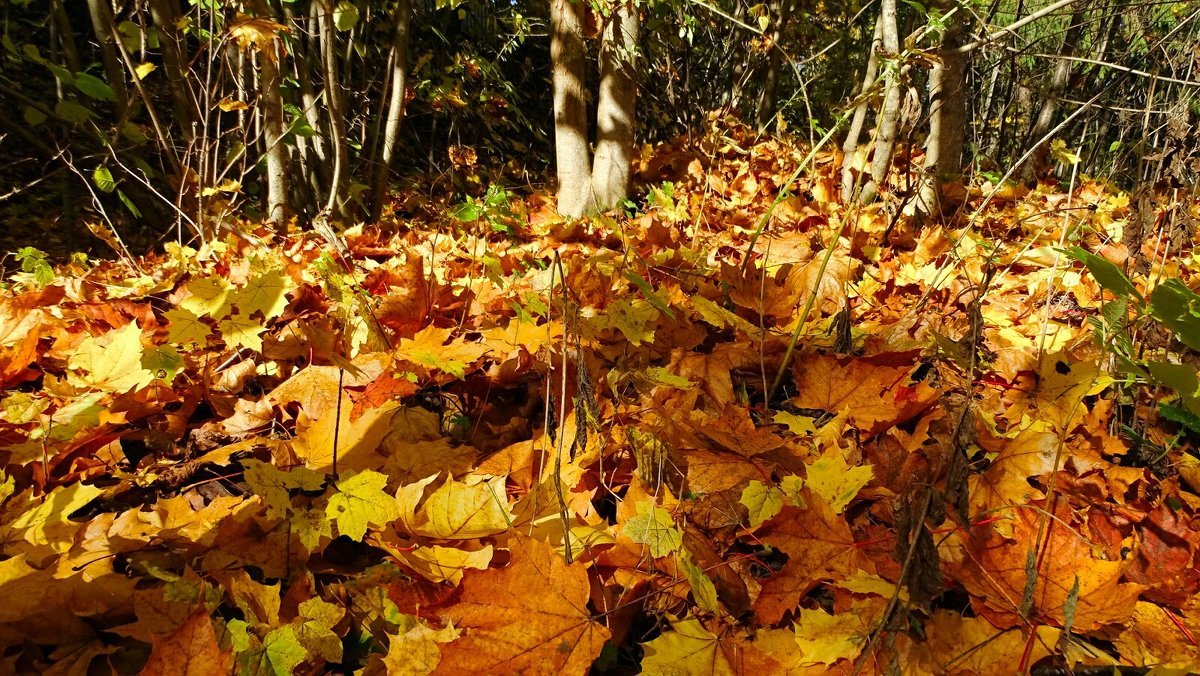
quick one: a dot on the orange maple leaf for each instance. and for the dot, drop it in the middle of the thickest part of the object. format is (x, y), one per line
(530, 617)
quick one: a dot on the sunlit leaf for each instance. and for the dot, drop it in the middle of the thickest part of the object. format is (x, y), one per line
(360, 502)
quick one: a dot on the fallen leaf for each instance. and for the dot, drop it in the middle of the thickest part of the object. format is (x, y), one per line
(529, 617)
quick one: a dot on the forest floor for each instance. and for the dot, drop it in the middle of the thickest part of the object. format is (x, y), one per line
(716, 434)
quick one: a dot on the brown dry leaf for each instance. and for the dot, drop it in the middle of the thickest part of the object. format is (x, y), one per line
(775, 294)
(734, 430)
(191, 650)
(529, 617)
(405, 306)
(258, 32)
(1166, 558)
(819, 547)
(19, 334)
(878, 393)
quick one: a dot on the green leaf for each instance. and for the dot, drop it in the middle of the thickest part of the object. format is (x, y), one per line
(103, 179)
(163, 361)
(648, 292)
(133, 134)
(129, 204)
(1180, 416)
(94, 87)
(33, 116)
(703, 590)
(660, 375)
(654, 527)
(1107, 275)
(1178, 308)
(34, 261)
(467, 212)
(1181, 378)
(345, 15)
(279, 655)
(72, 112)
(360, 502)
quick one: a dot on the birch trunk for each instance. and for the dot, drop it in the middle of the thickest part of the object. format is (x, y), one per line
(947, 115)
(571, 155)
(616, 109)
(335, 104)
(270, 101)
(850, 146)
(105, 26)
(1060, 77)
(889, 111)
(395, 110)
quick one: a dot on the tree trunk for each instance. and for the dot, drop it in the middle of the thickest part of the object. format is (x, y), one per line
(889, 112)
(395, 109)
(850, 147)
(270, 101)
(947, 114)
(166, 19)
(570, 113)
(1060, 77)
(616, 109)
(768, 103)
(337, 113)
(66, 35)
(105, 27)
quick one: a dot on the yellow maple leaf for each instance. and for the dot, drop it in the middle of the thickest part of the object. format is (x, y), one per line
(265, 292)
(835, 481)
(112, 362)
(428, 349)
(208, 296)
(466, 510)
(44, 523)
(825, 639)
(185, 327)
(687, 649)
(242, 331)
(414, 649)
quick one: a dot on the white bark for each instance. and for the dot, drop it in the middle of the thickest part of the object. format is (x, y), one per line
(850, 146)
(947, 114)
(567, 53)
(889, 113)
(616, 109)
(395, 113)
